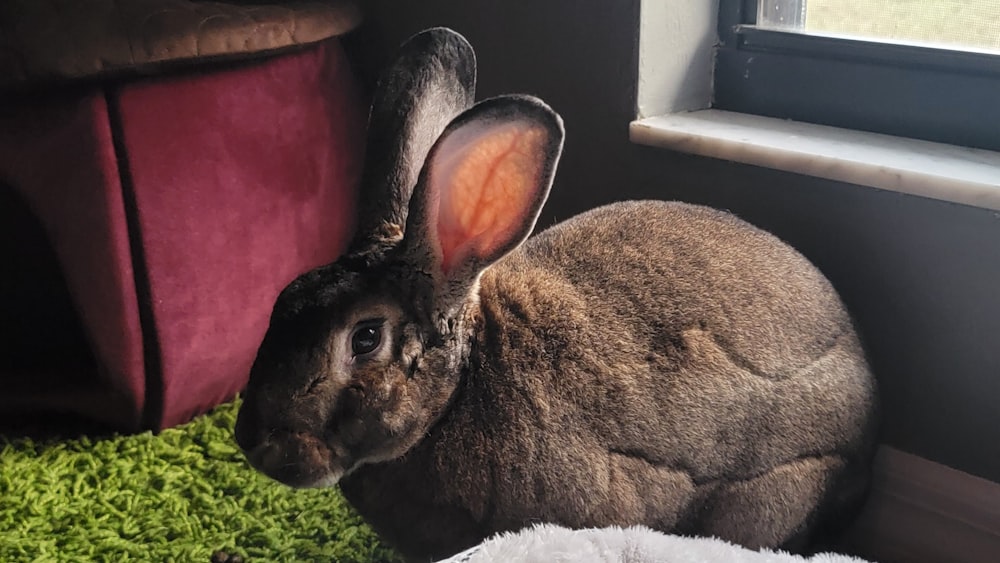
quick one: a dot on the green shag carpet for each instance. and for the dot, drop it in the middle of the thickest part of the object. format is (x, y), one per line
(178, 496)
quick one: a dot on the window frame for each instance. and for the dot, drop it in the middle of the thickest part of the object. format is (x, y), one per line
(919, 92)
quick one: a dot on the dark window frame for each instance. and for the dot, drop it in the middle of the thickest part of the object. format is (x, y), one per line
(924, 93)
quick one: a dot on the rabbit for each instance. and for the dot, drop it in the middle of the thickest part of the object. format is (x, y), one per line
(644, 363)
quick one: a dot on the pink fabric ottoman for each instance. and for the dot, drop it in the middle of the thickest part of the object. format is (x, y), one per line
(152, 218)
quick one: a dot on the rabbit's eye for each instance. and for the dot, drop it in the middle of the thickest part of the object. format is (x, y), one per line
(366, 339)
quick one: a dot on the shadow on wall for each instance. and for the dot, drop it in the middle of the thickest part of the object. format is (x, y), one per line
(572, 54)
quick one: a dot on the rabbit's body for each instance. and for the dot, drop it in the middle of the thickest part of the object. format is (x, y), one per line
(643, 363)
(591, 400)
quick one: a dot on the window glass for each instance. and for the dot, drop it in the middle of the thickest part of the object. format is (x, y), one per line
(972, 25)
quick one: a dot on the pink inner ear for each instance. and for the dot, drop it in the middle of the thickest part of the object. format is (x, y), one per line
(487, 178)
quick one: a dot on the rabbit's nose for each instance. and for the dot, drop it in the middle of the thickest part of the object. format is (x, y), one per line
(265, 456)
(296, 459)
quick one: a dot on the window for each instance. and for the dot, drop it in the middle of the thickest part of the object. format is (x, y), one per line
(927, 69)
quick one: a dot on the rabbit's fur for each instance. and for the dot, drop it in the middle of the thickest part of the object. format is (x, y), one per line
(644, 363)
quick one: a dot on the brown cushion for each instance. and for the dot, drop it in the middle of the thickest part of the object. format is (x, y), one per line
(43, 40)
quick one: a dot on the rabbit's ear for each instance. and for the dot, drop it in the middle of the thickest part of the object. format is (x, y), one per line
(482, 187)
(432, 79)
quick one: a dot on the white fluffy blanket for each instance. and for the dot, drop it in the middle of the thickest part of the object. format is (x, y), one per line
(547, 544)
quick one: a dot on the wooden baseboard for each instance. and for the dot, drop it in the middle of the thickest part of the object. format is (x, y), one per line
(920, 511)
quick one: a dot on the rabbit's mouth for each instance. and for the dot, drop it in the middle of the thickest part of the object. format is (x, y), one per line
(296, 459)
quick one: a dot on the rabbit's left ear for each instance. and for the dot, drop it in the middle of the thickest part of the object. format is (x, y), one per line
(432, 80)
(482, 187)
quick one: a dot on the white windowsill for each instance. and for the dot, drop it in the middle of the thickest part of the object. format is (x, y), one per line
(934, 170)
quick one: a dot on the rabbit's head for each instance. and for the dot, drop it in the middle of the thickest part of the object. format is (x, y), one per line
(363, 356)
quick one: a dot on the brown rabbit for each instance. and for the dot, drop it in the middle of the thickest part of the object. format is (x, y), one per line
(644, 363)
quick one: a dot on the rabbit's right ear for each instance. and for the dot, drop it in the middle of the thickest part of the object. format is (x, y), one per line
(432, 80)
